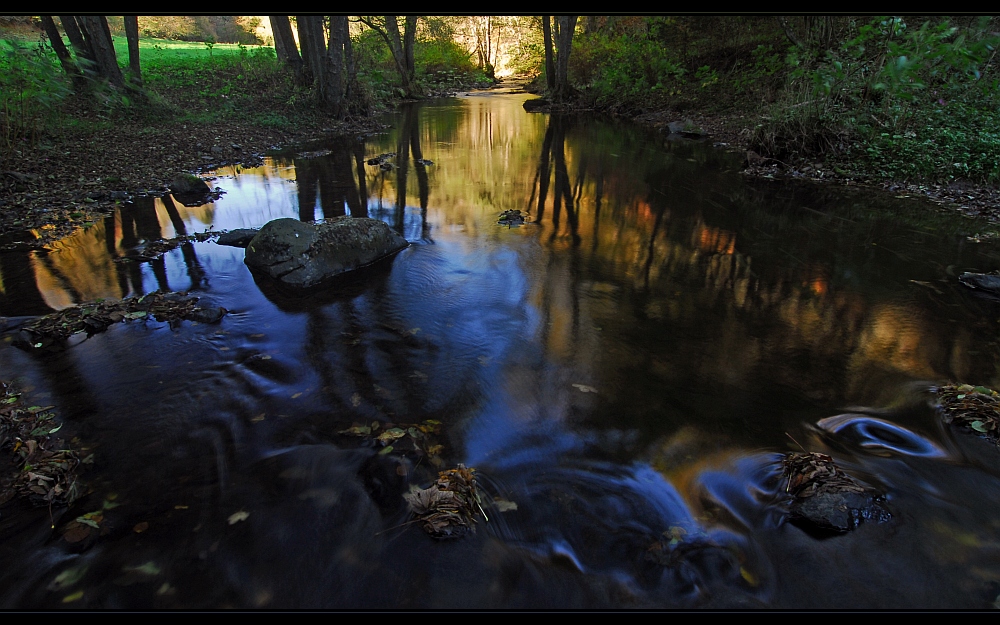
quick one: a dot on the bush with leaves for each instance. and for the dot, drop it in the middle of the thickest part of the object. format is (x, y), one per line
(32, 86)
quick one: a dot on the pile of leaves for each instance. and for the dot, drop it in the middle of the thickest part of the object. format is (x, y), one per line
(96, 316)
(418, 439)
(35, 465)
(448, 508)
(811, 473)
(976, 408)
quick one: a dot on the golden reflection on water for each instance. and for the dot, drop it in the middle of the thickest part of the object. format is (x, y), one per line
(641, 219)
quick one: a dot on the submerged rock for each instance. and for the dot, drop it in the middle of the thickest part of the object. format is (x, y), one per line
(304, 255)
(988, 283)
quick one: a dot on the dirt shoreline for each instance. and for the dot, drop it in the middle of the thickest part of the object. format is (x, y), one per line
(963, 198)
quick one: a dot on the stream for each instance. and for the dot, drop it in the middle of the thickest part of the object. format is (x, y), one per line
(623, 371)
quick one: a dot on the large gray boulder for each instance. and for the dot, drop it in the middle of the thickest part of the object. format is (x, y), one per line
(303, 255)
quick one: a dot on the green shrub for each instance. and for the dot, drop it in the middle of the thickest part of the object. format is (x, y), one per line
(32, 86)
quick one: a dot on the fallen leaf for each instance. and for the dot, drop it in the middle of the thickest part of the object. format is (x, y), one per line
(140, 527)
(76, 596)
(504, 506)
(236, 517)
(585, 389)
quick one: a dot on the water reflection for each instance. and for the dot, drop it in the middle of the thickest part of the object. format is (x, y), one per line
(623, 368)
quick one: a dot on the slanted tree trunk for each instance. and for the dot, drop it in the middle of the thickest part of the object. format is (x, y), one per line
(284, 44)
(97, 33)
(564, 44)
(550, 65)
(65, 59)
(401, 47)
(84, 54)
(132, 34)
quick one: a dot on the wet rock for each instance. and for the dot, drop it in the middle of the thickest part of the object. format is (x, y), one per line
(826, 498)
(511, 217)
(839, 511)
(985, 282)
(240, 237)
(186, 184)
(303, 255)
(537, 105)
(207, 315)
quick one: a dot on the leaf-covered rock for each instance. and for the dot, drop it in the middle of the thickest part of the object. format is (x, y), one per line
(448, 508)
(828, 498)
(975, 408)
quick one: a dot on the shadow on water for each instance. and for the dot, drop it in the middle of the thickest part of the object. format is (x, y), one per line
(622, 370)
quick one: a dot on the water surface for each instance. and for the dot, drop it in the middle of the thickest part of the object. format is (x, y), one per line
(626, 368)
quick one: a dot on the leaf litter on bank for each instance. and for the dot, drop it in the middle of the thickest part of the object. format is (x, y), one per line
(94, 317)
(975, 408)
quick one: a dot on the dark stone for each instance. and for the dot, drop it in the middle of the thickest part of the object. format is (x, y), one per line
(839, 511)
(206, 315)
(986, 282)
(240, 237)
(303, 255)
(537, 105)
(186, 184)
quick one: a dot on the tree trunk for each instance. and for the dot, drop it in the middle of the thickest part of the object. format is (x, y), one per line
(332, 92)
(84, 54)
(409, 38)
(98, 34)
(550, 65)
(564, 44)
(60, 48)
(132, 34)
(284, 44)
(312, 48)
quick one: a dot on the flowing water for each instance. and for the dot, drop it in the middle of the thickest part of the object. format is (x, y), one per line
(625, 368)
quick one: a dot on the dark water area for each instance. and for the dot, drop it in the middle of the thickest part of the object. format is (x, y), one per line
(625, 368)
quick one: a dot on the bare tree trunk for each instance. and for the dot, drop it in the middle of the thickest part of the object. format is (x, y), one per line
(132, 34)
(98, 35)
(284, 44)
(564, 44)
(550, 65)
(84, 54)
(311, 48)
(332, 88)
(409, 38)
(60, 48)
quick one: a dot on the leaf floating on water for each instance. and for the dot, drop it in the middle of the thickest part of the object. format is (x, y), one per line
(76, 596)
(236, 517)
(585, 389)
(504, 506)
(390, 435)
(68, 577)
(147, 568)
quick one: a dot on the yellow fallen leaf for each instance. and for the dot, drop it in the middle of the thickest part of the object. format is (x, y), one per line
(236, 517)
(76, 596)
